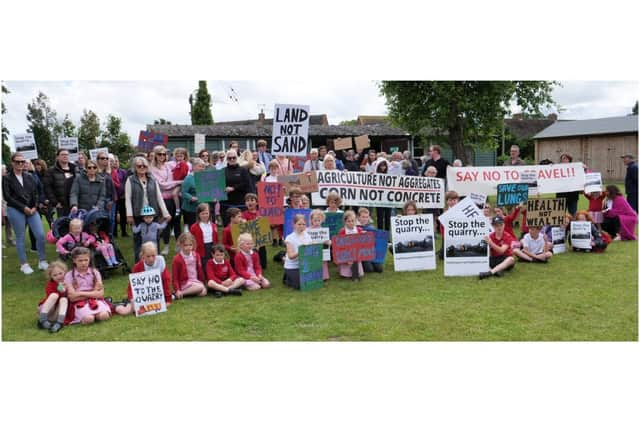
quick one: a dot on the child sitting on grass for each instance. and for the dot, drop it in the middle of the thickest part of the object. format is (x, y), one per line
(53, 307)
(353, 270)
(247, 264)
(222, 279)
(364, 222)
(187, 276)
(235, 217)
(500, 257)
(535, 247)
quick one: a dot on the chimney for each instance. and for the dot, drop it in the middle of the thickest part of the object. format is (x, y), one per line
(261, 117)
(553, 116)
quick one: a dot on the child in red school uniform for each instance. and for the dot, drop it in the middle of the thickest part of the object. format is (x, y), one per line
(84, 288)
(179, 173)
(501, 254)
(247, 264)
(149, 260)
(353, 270)
(235, 217)
(222, 279)
(53, 307)
(205, 231)
(595, 206)
(252, 213)
(187, 275)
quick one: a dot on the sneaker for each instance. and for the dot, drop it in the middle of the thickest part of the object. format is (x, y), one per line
(484, 275)
(43, 265)
(177, 213)
(617, 238)
(45, 325)
(55, 327)
(33, 250)
(217, 294)
(26, 269)
(165, 251)
(498, 274)
(235, 292)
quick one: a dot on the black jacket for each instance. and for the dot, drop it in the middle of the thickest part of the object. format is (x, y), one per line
(239, 179)
(57, 186)
(20, 196)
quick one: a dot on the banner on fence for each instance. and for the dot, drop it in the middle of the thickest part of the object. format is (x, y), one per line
(147, 291)
(593, 182)
(552, 178)
(546, 211)
(306, 182)
(581, 234)
(511, 194)
(198, 142)
(379, 190)
(465, 250)
(210, 185)
(310, 266)
(271, 201)
(362, 142)
(558, 238)
(289, 214)
(353, 247)
(26, 145)
(93, 153)
(71, 145)
(290, 130)
(413, 242)
(259, 229)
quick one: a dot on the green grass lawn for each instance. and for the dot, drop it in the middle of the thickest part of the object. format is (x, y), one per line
(577, 296)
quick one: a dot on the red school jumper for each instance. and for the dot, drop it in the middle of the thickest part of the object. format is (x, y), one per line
(179, 275)
(219, 273)
(196, 231)
(241, 264)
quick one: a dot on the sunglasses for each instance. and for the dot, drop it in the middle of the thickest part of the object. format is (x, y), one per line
(103, 158)
(141, 166)
(161, 153)
(91, 167)
(231, 158)
(19, 161)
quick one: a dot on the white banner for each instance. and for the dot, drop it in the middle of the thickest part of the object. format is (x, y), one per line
(290, 130)
(320, 236)
(593, 182)
(198, 143)
(413, 242)
(581, 234)
(465, 250)
(148, 294)
(93, 153)
(71, 145)
(379, 190)
(552, 178)
(26, 145)
(558, 237)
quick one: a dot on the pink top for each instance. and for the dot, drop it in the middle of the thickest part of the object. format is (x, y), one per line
(247, 256)
(164, 176)
(85, 281)
(69, 240)
(192, 270)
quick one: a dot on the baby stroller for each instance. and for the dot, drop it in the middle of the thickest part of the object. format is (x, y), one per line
(60, 228)
(103, 225)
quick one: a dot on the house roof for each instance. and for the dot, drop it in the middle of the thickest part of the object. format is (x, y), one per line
(371, 119)
(265, 131)
(527, 128)
(320, 119)
(599, 126)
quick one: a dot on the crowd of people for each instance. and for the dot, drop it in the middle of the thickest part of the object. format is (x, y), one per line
(156, 199)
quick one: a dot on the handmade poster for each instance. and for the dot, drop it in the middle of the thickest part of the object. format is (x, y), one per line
(210, 185)
(466, 251)
(551, 178)
(362, 142)
(26, 145)
(546, 211)
(289, 214)
(593, 182)
(512, 194)
(147, 140)
(379, 190)
(479, 199)
(271, 201)
(297, 163)
(353, 247)
(333, 221)
(93, 153)
(530, 178)
(147, 291)
(198, 142)
(581, 234)
(558, 238)
(319, 236)
(290, 130)
(71, 145)
(259, 229)
(342, 143)
(310, 266)
(382, 245)
(413, 242)
(306, 182)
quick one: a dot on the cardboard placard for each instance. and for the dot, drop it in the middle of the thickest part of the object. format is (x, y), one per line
(546, 211)
(148, 293)
(382, 245)
(310, 266)
(512, 194)
(306, 182)
(210, 185)
(271, 201)
(342, 143)
(581, 234)
(333, 221)
(290, 130)
(26, 145)
(289, 214)
(413, 242)
(593, 182)
(259, 229)
(362, 142)
(353, 247)
(147, 140)
(71, 145)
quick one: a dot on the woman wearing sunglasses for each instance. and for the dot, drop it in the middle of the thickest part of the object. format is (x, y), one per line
(20, 192)
(87, 190)
(163, 174)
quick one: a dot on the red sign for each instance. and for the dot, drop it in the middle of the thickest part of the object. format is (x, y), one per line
(271, 201)
(148, 139)
(353, 247)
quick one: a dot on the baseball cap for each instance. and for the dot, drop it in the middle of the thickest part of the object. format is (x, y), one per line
(497, 220)
(627, 156)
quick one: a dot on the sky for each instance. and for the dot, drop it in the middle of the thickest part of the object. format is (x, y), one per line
(139, 103)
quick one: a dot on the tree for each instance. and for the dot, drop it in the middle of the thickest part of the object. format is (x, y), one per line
(348, 123)
(471, 112)
(117, 141)
(89, 130)
(201, 109)
(42, 123)
(634, 110)
(66, 128)
(6, 151)
(162, 121)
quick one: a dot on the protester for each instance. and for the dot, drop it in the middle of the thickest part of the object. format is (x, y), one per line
(369, 163)
(329, 162)
(620, 219)
(514, 157)
(598, 241)
(81, 162)
(238, 183)
(313, 163)
(631, 181)
(234, 217)
(85, 290)
(338, 162)
(52, 309)
(88, 190)
(110, 195)
(189, 197)
(247, 264)
(383, 214)
(500, 257)
(180, 168)
(204, 156)
(534, 246)
(221, 276)
(147, 230)
(316, 218)
(187, 275)
(76, 237)
(119, 177)
(364, 222)
(437, 161)
(263, 156)
(205, 232)
(353, 270)
(293, 241)
(58, 181)
(163, 175)
(572, 196)
(252, 213)
(351, 163)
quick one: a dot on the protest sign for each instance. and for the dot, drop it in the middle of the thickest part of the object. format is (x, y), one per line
(581, 234)
(210, 185)
(465, 250)
(259, 229)
(530, 178)
(511, 194)
(551, 178)
(310, 266)
(558, 238)
(546, 211)
(147, 291)
(306, 182)
(71, 145)
(342, 143)
(271, 201)
(379, 190)
(297, 163)
(382, 245)
(353, 247)
(362, 142)
(479, 199)
(413, 242)
(26, 145)
(93, 153)
(147, 140)
(198, 142)
(333, 221)
(319, 236)
(289, 214)
(290, 130)
(593, 182)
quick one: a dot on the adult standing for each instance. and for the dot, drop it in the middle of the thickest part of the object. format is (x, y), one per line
(351, 163)
(238, 183)
(263, 156)
(436, 161)
(163, 175)
(631, 181)
(57, 183)
(81, 163)
(313, 163)
(119, 177)
(140, 190)
(573, 196)
(514, 156)
(189, 198)
(619, 217)
(20, 192)
(110, 195)
(204, 156)
(285, 167)
(87, 190)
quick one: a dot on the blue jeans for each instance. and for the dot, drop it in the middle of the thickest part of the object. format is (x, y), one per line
(19, 220)
(112, 217)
